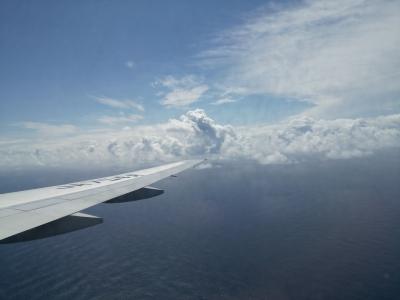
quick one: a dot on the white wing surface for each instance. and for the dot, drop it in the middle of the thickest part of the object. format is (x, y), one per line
(24, 210)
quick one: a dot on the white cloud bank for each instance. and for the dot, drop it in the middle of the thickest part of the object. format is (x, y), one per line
(196, 135)
(342, 56)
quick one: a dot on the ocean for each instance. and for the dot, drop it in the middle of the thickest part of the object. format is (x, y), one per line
(240, 230)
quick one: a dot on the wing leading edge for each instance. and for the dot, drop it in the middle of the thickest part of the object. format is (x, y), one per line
(25, 210)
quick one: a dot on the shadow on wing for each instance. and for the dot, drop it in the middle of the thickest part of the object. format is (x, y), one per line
(64, 225)
(143, 193)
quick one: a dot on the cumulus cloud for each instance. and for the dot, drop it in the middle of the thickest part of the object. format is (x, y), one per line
(341, 56)
(120, 104)
(46, 129)
(181, 92)
(192, 135)
(305, 139)
(195, 135)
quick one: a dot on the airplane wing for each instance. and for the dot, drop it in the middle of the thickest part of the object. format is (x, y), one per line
(24, 215)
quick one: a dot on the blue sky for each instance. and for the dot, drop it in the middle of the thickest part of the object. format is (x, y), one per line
(260, 61)
(57, 56)
(133, 81)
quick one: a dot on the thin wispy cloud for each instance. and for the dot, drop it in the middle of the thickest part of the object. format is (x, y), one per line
(122, 119)
(120, 104)
(130, 64)
(4, 142)
(46, 129)
(224, 101)
(341, 56)
(181, 92)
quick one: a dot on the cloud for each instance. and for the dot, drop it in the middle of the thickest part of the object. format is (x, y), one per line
(121, 104)
(130, 64)
(11, 141)
(341, 56)
(45, 129)
(195, 135)
(224, 101)
(181, 92)
(112, 120)
(207, 165)
(183, 97)
(308, 139)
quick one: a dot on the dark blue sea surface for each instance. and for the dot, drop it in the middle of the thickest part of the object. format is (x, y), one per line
(327, 230)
